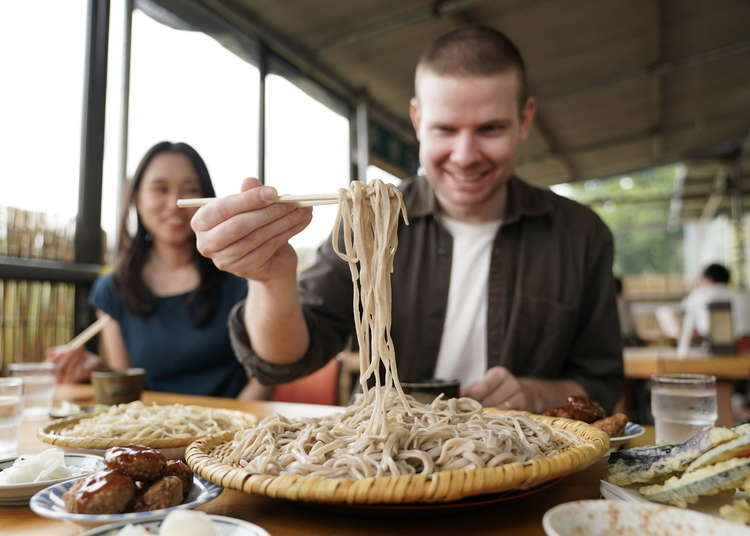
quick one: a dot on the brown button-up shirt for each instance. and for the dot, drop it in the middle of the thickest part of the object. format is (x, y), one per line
(551, 304)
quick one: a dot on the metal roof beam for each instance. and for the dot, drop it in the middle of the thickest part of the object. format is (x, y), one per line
(438, 8)
(638, 200)
(554, 146)
(657, 69)
(675, 203)
(717, 194)
(631, 138)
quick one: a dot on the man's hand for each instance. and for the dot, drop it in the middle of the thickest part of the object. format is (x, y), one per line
(499, 388)
(247, 234)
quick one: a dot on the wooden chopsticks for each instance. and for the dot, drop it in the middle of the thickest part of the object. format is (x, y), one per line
(301, 200)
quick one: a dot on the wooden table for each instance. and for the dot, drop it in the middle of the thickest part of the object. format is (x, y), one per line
(642, 363)
(520, 517)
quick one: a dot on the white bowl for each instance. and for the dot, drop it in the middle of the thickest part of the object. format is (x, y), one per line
(621, 518)
(224, 526)
(19, 494)
(49, 503)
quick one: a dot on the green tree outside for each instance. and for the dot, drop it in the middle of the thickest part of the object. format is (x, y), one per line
(644, 242)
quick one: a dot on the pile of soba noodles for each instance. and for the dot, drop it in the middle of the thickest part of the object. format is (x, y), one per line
(385, 432)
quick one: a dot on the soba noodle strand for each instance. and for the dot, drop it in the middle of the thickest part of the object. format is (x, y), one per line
(368, 218)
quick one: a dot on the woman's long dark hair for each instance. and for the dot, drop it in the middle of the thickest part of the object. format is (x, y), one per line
(133, 251)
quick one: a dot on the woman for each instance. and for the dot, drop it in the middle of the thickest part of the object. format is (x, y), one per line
(168, 303)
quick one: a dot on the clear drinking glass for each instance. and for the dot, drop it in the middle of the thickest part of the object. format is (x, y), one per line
(682, 404)
(11, 411)
(38, 389)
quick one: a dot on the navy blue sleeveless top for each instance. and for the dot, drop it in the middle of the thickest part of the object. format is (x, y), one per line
(178, 357)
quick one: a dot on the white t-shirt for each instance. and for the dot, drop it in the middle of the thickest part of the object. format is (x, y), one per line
(463, 347)
(697, 314)
(697, 302)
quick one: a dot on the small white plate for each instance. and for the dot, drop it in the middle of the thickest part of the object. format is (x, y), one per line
(224, 526)
(19, 494)
(631, 431)
(49, 503)
(601, 517)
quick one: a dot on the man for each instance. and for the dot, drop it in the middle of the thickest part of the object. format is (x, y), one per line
(507, 287)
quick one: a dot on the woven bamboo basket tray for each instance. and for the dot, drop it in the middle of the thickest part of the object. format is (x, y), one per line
(51, 433)
(444, 486)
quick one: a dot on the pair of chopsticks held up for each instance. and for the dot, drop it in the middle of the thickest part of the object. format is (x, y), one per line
(301, 200)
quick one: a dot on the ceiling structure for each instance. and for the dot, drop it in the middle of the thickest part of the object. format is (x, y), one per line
(621, 85)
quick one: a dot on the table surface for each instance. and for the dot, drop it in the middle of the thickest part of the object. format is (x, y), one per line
(521, 516)
(641, 363)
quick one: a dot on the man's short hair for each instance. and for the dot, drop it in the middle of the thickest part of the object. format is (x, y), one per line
(474, 51)
(717, 273)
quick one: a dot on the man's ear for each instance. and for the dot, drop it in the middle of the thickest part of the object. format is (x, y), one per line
(415, 115)
(527, 117)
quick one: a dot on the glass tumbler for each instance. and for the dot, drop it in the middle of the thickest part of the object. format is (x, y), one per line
(682, 404)
(38, 389)
(11, 411)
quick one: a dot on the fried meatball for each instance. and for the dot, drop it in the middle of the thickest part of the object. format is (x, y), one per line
(180, 469)
(104, 492)
(562, 411)
(165, 492)
(614, 425)
(579, 408)
(584, 409)
(140, 463)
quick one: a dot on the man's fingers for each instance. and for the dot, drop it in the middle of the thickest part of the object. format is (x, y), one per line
(246, 250)
(491, 381)
(263, 254)
(247, 184)
(223, 208)
(509, 393)
(245, 232)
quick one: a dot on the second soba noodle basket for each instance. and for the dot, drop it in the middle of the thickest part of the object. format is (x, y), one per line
(387, 447)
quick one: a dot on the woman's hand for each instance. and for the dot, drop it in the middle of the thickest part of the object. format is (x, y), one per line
(73, 364)
(247, 234)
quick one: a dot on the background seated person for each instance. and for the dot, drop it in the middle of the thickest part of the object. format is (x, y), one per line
(713, 287)
(169, 304)
(502, 285)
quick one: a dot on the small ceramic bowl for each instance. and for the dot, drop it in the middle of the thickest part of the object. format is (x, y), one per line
(427, 390)
(118, 386)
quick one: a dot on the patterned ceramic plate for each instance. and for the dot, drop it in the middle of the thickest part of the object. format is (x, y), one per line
(631, 431)
(19, 494)
(49, 503)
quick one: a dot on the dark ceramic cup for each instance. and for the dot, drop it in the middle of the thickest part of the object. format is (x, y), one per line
(426, 391)
(118, 386)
